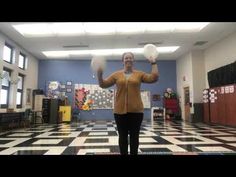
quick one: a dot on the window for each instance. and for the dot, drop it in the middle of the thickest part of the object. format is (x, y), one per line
(7, 53)
(5, 88)
(22, 61)
(19, 94)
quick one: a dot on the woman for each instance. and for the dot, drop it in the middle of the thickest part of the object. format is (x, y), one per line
(128, 107)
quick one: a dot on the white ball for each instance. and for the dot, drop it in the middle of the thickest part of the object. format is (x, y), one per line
(98, 62)
(150, 52)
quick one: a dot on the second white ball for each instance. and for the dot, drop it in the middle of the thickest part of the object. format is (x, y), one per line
(98, 62)
(150, 52)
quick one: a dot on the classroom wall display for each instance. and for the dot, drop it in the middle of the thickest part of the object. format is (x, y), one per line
(53, 89)
(90, 96)
(146, 99)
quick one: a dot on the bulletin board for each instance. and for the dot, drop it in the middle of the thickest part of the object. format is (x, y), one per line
(90, 96)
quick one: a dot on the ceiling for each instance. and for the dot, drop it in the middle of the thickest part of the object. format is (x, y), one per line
(211, 33)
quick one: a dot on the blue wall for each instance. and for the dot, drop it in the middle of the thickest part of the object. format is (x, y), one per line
(79, 72)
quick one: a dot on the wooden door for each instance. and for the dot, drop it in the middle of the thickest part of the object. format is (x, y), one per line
(186, 104)
(230, 103)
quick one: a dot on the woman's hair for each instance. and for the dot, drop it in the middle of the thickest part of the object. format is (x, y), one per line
(127, 53)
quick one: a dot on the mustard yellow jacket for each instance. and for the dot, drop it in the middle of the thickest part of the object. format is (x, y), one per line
(128, 95)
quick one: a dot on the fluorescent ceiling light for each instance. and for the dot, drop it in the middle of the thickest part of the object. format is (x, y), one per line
(67, 28)
(105, 52)
(56, 54)
(109, 28)
(123, 28)
(99, 28)
(50, 29)
(189, 27)
(159, 27)
(34, 30)
(175, 27)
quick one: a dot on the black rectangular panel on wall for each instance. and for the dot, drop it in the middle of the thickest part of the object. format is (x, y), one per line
(234, 72)
(222, 76)
(212, 78)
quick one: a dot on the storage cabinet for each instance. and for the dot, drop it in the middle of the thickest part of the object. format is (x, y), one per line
(50, 110)
(171, 107)
(157, 113)
(230, 106)
(220, 104)
(66, 113)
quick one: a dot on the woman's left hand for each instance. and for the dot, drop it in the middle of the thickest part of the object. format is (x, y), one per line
(151, 59)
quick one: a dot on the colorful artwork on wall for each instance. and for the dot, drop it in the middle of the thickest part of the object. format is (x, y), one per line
(88, 96)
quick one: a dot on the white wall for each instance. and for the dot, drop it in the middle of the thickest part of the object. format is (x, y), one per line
(220, 54)
(191, 66)
(195, 65)
(31, 73)
(184, 68)
(199, 75)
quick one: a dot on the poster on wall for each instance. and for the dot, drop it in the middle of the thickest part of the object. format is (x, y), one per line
(53, 89)
(90, 96)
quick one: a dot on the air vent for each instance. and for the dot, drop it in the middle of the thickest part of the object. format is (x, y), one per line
(75, 46)
(154, 43)
(200, 43)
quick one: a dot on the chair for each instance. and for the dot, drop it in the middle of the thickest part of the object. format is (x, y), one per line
(26, 118)
(38, 117)
(172, 108)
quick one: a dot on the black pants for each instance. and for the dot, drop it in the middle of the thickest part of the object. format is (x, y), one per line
(128, 124)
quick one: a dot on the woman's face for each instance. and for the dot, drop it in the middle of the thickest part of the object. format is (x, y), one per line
(128, 60)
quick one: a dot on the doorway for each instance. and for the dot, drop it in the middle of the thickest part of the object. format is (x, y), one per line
(186, 104)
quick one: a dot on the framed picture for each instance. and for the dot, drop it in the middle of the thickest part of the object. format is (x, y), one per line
(68, 83)
(156, 97)
(63, 86)
(68, 90)
(28, 96)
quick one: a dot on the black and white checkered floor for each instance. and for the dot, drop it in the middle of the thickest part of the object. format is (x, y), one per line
(101, 137)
